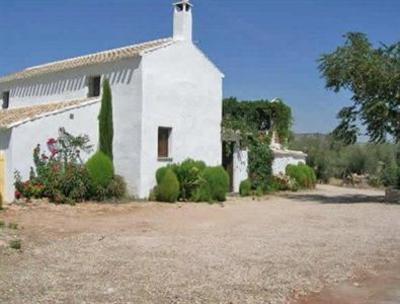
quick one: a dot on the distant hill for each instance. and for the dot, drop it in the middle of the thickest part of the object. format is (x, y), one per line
(300, 136)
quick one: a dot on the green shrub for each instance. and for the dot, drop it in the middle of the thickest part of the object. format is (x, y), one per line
(218, 180)
(196, 182)
(15, 244)
(75, 183)
(168, 189)
(13, 226)
(160, 173)
(259, 191)
(2, 224)
(117, 187)
(153, 194)
(202, 193)
(245, 188)
(390, 175)
(100, 169)
(303, 175)
(260, 163)
(189, 176)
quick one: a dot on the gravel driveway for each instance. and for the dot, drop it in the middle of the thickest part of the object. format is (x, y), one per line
(267, 250)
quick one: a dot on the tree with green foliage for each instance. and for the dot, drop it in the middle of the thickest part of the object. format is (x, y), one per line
(372, 75)
(106, 129)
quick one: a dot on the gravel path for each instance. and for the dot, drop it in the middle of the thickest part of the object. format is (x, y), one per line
(264, 251)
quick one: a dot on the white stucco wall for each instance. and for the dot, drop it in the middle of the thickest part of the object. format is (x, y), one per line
(24, 139)
(176, 86)
(281, 161)
(240, 171)
(126, 85)
(182, 89)
(5, 147)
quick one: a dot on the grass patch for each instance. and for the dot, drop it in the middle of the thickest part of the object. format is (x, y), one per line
(15, 244)
(13, 226)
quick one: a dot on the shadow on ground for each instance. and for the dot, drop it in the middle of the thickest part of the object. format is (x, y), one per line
(337, 199)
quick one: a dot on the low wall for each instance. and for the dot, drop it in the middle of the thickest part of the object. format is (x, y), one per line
(283, 158)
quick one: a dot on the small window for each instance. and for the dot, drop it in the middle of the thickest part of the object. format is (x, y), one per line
(183, 7)
(6, 99)
(94, 83)
(164, 135)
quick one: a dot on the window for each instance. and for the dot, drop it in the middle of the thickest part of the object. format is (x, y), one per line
(6, 99)
(183, 7)
(94, 83)
(164, 135)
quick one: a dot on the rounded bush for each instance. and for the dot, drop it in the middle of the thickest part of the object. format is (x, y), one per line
(303, 175)
(245, 188)
(160, 174)
(100, 169)
(189, 176)
(202, 193)
(218, 180)
(168, 189)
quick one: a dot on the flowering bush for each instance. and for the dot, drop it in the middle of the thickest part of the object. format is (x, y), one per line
(61, 176)
(28, 189)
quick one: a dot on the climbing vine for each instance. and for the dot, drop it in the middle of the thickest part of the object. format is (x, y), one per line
(252, 117)
(249, 123)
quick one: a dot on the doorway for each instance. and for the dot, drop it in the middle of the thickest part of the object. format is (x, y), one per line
(227, 161)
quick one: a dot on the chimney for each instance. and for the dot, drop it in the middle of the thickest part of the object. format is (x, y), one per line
(183, 20)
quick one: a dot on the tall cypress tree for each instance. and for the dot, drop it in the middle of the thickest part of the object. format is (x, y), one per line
(106, 129)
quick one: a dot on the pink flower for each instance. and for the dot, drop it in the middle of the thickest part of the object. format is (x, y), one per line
(52, 146)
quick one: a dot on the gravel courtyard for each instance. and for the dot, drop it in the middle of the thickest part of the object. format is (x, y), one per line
(268, 250)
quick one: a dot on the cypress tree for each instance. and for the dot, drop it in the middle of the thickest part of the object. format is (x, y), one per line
(106, 130)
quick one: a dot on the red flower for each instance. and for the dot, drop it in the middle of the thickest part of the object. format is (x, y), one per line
(17, 194)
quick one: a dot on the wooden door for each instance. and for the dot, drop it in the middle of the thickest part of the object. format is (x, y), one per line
(2, 174)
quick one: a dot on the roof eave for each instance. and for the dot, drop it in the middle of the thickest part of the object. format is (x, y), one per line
(50, 113)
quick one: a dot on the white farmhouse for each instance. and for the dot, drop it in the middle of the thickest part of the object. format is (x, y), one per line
(167, 104)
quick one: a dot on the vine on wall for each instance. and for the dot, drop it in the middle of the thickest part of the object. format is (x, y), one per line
(247, 123)
(252, 117)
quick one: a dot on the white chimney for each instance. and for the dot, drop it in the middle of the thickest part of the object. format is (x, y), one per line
(183, 20)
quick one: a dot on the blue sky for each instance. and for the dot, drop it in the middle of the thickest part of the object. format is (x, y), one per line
(265, 48)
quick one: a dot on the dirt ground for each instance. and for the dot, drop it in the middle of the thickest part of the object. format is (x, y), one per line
(270, 250)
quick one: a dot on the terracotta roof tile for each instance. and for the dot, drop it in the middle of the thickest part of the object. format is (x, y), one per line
(13, 117)
(101, 57)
